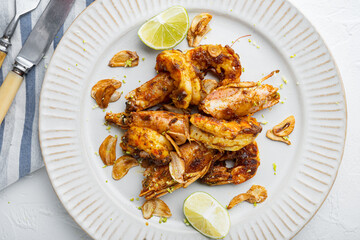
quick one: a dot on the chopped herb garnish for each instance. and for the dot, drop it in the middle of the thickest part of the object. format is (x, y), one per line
(104, 166)
(255, 204)
(274, 167)
(128, 62)
(131, 199)
(284, 79)
(186, 222)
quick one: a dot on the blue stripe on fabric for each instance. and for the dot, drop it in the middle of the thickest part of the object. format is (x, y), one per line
(25, 147)
(58, 36)
(88, 2)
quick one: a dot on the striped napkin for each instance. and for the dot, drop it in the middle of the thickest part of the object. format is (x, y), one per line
(19, 141)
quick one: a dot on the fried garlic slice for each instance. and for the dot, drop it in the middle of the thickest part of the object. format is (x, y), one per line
(124, 58)
(104, 91)
(177, 167)
(107, 150)
(256, 194)
(198, 29)
(155, 207)
(285, 127)
(272, 136)
(122, 166)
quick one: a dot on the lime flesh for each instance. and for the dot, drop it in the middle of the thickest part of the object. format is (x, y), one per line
(165, 30)
(207, 215)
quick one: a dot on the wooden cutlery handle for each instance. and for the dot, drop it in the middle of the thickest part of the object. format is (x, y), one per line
(8, 92)
(2, 57)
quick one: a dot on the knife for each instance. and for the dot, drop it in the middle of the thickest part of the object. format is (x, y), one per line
(21, 8)
(33, 50)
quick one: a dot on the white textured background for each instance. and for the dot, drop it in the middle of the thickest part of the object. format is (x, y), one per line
(30, 209)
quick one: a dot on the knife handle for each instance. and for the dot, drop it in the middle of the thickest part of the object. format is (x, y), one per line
(2, 57)
(8, 92)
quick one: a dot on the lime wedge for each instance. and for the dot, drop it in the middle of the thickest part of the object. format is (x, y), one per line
(207, 215)
(165, 30)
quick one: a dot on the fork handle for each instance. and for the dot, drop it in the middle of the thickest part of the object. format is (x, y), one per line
(8, 92)
(2, 57)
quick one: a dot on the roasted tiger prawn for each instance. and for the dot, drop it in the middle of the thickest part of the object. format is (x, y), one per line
(158, 180)
(174, 124)
(223, 61)
(222, 134)
(230, 102)
(246, 162)
(142, 142)
(151, 93)
(186, 81)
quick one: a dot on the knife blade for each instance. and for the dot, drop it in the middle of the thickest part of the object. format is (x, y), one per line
(33, 50)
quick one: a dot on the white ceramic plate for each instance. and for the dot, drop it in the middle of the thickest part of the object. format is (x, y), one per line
(71, 130)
